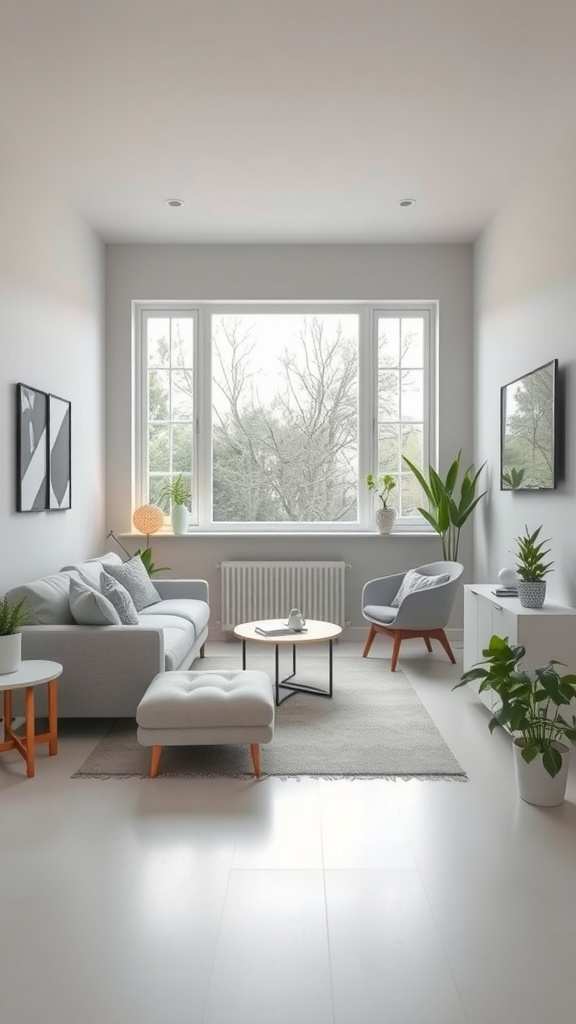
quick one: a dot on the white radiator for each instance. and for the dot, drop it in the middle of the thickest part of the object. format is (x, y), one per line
(268, 590)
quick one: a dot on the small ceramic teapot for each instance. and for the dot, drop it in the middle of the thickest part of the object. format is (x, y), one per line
(296, 620)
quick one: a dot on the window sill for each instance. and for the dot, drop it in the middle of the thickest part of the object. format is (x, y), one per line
(349, 535)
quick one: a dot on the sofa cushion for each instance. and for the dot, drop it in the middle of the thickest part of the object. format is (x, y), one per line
(47, 599)
(89, 607)
(133, 576)
(195, 612)
(178, 637)
(119, 598)
(90, 570)
(415, 581)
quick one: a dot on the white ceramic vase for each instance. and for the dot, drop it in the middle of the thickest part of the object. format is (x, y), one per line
(180, 518)
(10, 653)
(385, 519)
(535, 785)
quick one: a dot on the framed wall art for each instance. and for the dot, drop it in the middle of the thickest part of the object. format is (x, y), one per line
(59, 453)
(32, 449)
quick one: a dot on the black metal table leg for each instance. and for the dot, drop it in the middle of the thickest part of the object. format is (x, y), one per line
(243, 655)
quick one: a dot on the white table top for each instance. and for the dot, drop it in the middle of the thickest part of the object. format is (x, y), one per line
(315, 632)
(31, 673)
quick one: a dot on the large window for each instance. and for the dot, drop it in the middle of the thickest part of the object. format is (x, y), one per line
(275, 414)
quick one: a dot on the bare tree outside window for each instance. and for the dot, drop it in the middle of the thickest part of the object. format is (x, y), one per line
(285, 418)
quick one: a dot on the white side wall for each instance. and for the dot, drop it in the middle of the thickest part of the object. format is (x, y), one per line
(51, 337)
(395, 272)
(525, 286)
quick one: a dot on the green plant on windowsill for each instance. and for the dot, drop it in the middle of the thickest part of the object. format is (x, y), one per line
(176, 491)
(383, 486)
(449, 509)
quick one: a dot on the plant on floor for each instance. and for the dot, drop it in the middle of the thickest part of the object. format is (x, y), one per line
(383, 486)
(449, 510)
(145, 555)
(530, 701)
(13, 615)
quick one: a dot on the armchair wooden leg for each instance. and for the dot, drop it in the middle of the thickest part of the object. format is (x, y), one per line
(255, 751)
(369, 641)
(155, 761)
(443, 639)
(428, 644)
(395, 649)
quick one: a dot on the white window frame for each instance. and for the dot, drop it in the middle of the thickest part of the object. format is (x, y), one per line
(201, 312)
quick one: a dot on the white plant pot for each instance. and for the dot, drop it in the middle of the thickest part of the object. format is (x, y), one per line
(535, 786)
(385, 519)
(10, 653)
(532, 593)
(180, 518)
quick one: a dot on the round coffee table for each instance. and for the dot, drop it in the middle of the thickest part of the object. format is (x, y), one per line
(29, 675)
(315, 633)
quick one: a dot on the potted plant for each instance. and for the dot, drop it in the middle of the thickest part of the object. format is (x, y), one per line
(448, 510)
(12, 617)
(177, 492)
(529, 708)
(532, 569)
(383, 486)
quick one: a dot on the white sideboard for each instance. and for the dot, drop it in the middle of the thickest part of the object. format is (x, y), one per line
(547, 633)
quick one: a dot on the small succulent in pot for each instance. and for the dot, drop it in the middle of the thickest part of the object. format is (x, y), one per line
(532, 568)
(13, 615)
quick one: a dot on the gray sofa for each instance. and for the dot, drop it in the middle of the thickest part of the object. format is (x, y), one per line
(108, 668)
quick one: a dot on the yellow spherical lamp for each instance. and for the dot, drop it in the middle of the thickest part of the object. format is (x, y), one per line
(148, 519)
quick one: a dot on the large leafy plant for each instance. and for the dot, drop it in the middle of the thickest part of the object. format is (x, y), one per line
(530, 564)
(12, 616)
(530, 701)
(451, 501)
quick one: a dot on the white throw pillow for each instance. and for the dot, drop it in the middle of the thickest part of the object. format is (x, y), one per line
(89, 608)
(134, 577)
(414, 581)
(120, 598)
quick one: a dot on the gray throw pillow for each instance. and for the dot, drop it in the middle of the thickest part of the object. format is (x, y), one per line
(120, 598)
(414, 581)
(134, 577)
(89, 608)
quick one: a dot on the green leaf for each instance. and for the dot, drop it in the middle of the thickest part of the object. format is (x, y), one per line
(420, 478)
(529, 753)
(452, 474)
(552, 760)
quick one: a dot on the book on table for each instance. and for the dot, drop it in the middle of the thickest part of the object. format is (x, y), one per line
(277, 631)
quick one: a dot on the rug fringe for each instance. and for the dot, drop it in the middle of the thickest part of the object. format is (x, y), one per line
(283, 778)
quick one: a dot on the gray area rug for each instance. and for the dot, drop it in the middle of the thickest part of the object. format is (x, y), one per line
(375, 726)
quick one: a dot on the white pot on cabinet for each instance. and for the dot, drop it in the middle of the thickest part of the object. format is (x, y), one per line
(180, 518)
(10, 653)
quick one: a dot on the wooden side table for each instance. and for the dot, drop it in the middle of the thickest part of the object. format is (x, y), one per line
(29, 675)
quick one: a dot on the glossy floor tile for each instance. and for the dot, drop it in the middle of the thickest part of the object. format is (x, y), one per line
(333, 902)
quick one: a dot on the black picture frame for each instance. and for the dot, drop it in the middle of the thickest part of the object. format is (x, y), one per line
(59, 453)
(32, 449)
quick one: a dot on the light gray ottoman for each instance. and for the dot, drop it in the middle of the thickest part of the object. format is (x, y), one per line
(182, 708)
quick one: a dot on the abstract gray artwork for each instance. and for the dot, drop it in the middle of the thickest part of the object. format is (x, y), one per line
(32, 441)
(59, 412)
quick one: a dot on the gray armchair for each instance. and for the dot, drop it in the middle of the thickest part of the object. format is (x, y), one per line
(423, 613)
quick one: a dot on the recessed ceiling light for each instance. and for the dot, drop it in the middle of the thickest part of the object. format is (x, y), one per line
(407, 202)
(174, 202)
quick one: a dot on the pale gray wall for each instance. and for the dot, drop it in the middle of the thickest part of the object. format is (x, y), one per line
(51, 337)
(525, 284)
(313, 272)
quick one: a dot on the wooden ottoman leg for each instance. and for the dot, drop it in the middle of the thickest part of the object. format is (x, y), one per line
(155, 761)
(255, 751)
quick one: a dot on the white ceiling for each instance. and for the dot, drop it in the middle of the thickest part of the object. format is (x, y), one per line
(286, 120)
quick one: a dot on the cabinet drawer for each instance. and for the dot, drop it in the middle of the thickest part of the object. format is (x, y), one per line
(504, 623)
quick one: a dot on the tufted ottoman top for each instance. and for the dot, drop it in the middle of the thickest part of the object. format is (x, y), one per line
(178, 700)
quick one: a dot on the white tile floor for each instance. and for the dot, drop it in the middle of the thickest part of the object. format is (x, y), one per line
(311, 902)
